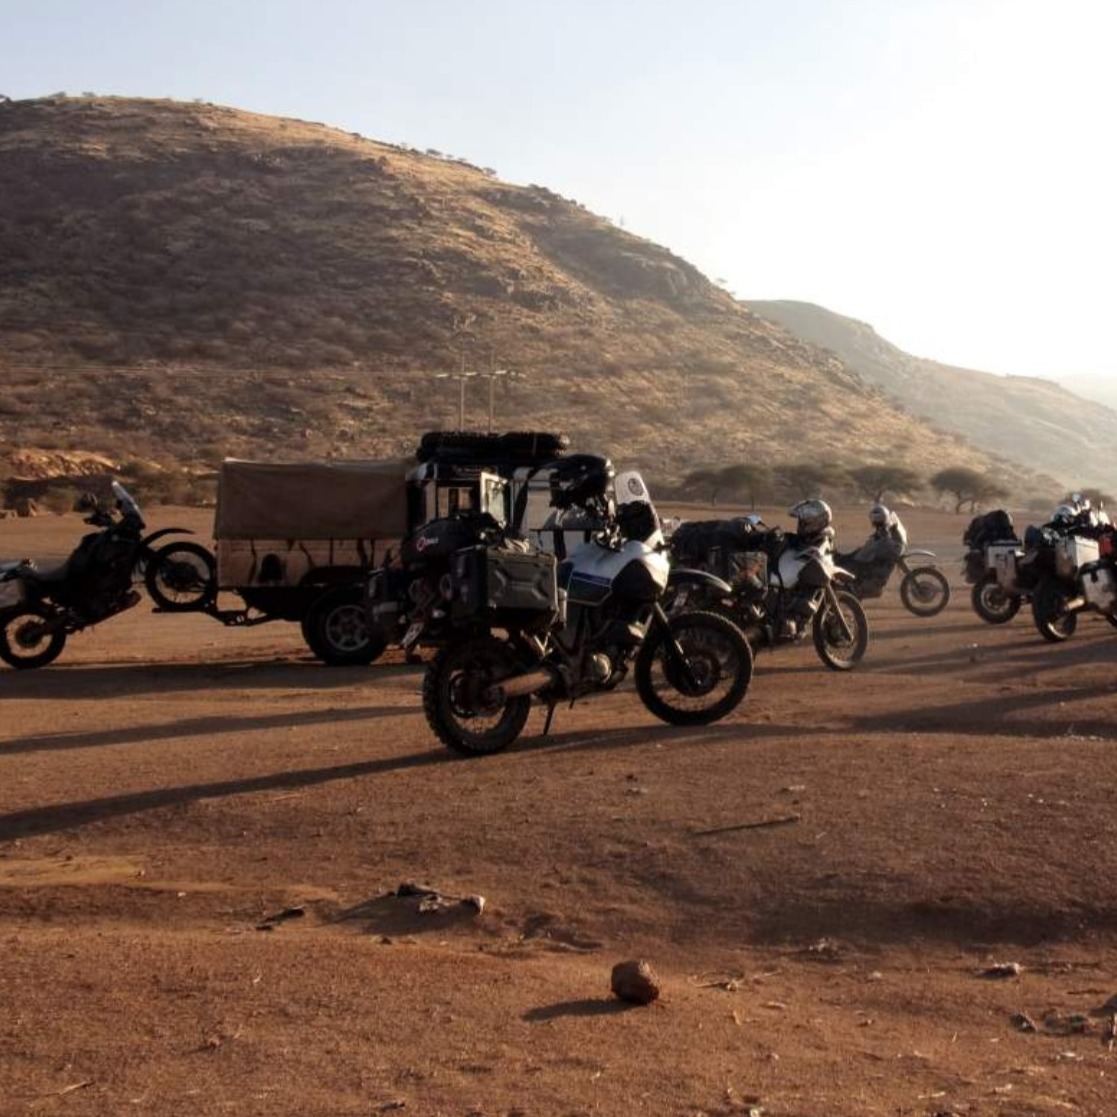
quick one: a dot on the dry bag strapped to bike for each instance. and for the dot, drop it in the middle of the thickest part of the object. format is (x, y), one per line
(713, 545)
(990, 527)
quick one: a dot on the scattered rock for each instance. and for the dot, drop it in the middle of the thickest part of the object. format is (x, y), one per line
(1002, 970)
(269, 922)
(431, 900)
(1022, 1022)
(635, 982)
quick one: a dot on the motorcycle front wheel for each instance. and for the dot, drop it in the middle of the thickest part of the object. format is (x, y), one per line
(991, 603)
(925, 591)
(26, 641)
(841, 631)
(181, 577)
(695, 671)
(458, 702)
(1049, 612)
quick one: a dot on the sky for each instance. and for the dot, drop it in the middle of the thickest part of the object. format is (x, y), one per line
(944, 170)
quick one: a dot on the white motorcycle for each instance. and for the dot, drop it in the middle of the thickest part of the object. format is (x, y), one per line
(526, 622)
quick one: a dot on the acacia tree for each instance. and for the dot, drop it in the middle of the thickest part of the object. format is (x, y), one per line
(872, 481)
(967, 486)
(751, 481)
(705, 479)
(807, 479)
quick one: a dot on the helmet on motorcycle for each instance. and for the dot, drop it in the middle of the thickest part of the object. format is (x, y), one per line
(1064, 512)
(879, 515)
(813, 516)
(87, 502)
(579, 479)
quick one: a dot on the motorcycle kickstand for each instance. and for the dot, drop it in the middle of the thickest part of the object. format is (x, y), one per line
(547, 720)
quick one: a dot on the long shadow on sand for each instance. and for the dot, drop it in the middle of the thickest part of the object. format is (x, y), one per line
(83, 682)
(65, 816)
(195, 727)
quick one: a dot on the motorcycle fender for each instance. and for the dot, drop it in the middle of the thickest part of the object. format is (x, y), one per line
(148, 540)
(919, 554)
(686, 577)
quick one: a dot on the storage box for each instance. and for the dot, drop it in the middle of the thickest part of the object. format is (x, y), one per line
(1073, 552)
(1099, 584)
(504, 586)
(1002, 558)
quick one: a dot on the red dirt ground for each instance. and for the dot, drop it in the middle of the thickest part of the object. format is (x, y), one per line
(821, 882)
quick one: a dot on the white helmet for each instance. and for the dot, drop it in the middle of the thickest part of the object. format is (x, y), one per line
(879, 515)
(1064, 511)
(813, 516)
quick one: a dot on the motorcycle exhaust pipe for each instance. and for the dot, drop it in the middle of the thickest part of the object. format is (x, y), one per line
(518, 685)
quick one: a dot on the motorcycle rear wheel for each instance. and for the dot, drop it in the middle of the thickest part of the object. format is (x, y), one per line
(336, 629)
(991, 603)
(838, 651)
(25, 642)
(710, 681)
(1049, 612)
(455, 702)
(925, 591)
(182, 577)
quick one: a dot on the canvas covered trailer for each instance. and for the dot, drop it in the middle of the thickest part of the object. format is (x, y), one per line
(282, 524)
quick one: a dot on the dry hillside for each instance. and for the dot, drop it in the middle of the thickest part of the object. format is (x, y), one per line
(1025, 418)
(183, 282)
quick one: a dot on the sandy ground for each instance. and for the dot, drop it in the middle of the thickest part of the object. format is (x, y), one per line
(891, 891)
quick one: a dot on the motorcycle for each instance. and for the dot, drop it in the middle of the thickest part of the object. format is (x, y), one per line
(924, 589)
(991, 566)
(1080, 579)
(782, 585)
(1007, 572)
(40, 608)
(524, 623)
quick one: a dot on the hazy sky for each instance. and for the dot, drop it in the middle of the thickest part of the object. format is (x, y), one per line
(944, 170)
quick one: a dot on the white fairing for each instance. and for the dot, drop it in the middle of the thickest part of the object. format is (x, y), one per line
(602, 564)
(595, 567)
(792, 560)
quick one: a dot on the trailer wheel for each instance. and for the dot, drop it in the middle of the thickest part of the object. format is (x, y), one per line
(335, 629)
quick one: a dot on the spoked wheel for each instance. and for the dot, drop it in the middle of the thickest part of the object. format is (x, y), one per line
(26, 639)
(841, 631)
(696, 671)
(336, 629)
(181, 577)
(458, 697)
(925, 591)
(1049, 611)
(991, 603)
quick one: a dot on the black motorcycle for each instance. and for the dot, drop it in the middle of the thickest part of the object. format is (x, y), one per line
(40, 608)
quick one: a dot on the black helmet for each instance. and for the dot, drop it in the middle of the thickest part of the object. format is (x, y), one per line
(87, 502)
(580, 479)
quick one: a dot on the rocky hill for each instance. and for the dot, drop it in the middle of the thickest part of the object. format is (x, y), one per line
(1030, 420)
(181, 282)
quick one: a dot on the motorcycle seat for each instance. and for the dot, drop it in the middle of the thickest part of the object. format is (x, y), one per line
(44, 575)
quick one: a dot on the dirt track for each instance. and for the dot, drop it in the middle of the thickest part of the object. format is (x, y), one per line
(820, 881)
